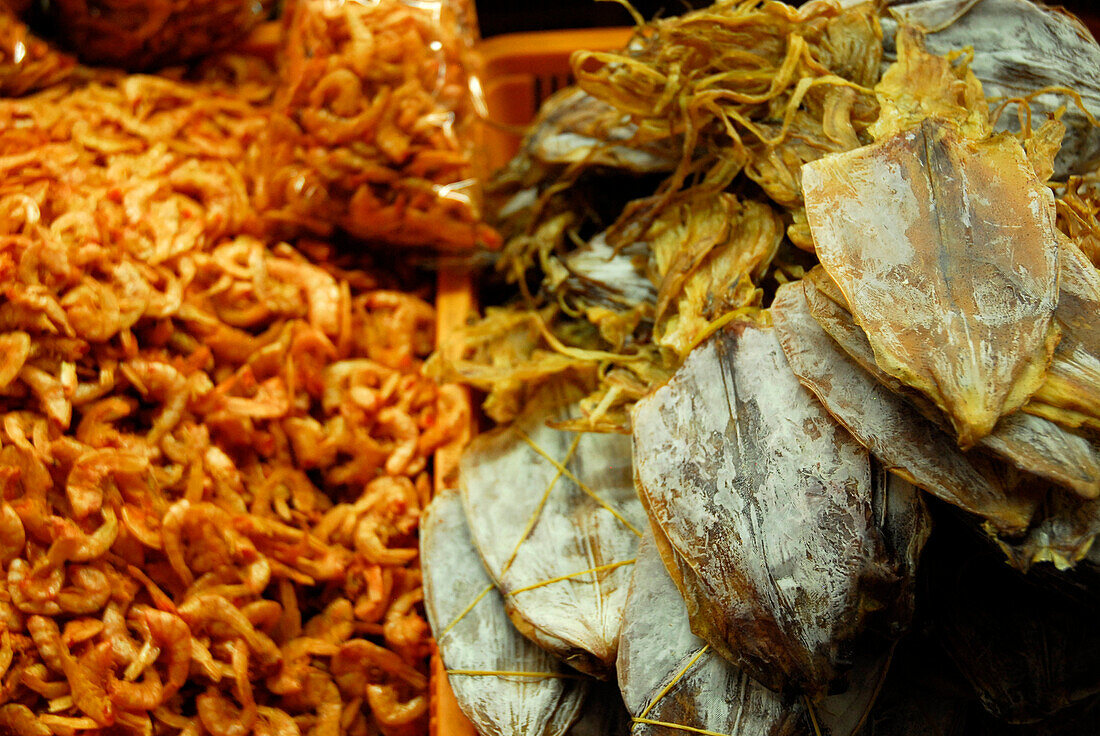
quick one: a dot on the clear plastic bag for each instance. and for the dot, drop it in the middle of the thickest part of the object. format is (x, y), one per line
(153, 33)
(372, 124)
(27, 64)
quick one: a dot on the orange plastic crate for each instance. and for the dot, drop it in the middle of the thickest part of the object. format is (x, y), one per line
(516, 72)
(520, 70)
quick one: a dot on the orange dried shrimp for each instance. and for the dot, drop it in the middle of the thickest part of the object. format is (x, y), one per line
(153, 33)
(213, 449)
(369, 128)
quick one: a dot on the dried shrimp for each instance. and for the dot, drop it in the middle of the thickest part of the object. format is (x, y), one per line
(214, 448)
(372, 123)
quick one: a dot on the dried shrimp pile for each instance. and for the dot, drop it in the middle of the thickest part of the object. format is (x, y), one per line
(213, 448)
(371, 118)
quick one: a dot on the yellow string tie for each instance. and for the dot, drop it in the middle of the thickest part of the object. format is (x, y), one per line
(510, 673)
(672, 684)
(466, 610)
(813, 715)
(678, 727)
(560, 578)
(562, 470)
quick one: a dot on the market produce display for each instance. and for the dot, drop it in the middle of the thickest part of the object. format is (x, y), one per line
(789, 342)
(214, 444)
(832, 270)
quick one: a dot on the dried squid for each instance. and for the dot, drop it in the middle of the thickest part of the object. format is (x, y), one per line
(708, 251)
(1070, 395)
(504, 683)
(942, 240)
(555, 517)
(671, 679)
(1030, 442)
(882, 421)
(733, 454)
(669, 675)
(1019, 50)
(576, 128)
(643, 155)
(942, 345)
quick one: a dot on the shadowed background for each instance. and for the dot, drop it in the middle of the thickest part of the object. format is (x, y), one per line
(508, 16)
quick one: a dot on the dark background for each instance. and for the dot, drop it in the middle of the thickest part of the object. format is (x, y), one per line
(509, 16)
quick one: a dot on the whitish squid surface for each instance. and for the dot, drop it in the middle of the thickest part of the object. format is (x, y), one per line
(556, 520)
(884, 422)
(670, 676)
(945, 250)
(1031, 443)
(764, 507)
(476, 638)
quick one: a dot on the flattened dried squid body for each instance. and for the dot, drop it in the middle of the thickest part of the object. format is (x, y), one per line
(478, 644)
(946, 253)
(763, 505)
(883, 422)
(1029, 442)
(556, 519)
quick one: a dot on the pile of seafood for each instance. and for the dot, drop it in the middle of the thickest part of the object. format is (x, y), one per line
(214, 445)
(372, 125)
(795, 375)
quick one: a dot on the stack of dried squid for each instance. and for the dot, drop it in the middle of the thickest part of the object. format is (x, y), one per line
(840, 298)
(214, 445)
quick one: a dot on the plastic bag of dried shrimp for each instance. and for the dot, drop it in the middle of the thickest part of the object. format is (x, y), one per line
(373, 123)
(146, 34)
(27, 64)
